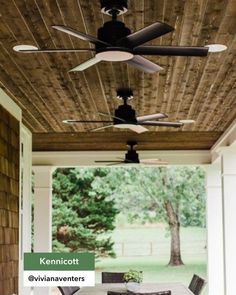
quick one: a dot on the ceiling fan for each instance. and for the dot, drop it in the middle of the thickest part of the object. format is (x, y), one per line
(115, 42)
(132, 157)
(125, 117)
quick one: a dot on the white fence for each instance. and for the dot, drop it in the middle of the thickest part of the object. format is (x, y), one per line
(154, 248)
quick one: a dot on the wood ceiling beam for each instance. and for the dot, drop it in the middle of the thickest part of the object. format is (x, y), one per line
(98, 141)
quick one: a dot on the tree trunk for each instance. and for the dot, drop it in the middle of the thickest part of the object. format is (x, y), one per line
(175, 256)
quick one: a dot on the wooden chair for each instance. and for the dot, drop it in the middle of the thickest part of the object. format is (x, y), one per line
(68, 290)
(196, 285)
(112, 277)
(168, 292)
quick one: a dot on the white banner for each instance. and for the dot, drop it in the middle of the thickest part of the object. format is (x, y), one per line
(41, 278)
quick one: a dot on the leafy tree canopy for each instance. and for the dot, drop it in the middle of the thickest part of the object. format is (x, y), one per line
(140, 193)
(82, 211)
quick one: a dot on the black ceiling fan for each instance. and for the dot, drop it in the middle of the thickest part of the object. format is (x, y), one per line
(132, 157)
(115, 42)
(125, 117)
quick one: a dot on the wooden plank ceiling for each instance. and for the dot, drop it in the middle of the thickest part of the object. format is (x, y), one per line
(202, 89)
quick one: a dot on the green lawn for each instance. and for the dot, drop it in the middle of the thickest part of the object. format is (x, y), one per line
(193, 242)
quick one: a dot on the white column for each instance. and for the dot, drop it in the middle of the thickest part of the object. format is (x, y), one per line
(42, 214)
(228, 159)
(25, 203)
(215, 279)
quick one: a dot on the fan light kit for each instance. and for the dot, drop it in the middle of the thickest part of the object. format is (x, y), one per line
(114, 55)
(132, 157)
(116, 42)
(125, 117)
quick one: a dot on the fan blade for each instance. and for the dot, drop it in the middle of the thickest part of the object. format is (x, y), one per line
(144, 64)
(153, 162)
(80, 35)
(138, 128)
(83, 121)
(110, 163)
(111, 116)
(114, 164)
(107, 161)
(120, 159)
(56, 50)
(146, 34)
(171, 50)
(100, 128)
(85, 65)
(151, 117)
(160, 123)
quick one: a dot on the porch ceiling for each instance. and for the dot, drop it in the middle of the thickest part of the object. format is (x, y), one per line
(202, 89)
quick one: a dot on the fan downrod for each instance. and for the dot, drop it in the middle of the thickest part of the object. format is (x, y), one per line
(114, 7)
(131, 144)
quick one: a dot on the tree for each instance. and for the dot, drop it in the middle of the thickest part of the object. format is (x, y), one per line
(84, 204)
(173, 194)
(82, 211)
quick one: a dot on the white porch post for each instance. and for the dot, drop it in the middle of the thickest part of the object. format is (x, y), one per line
(42, 214)
(25, 203)
(228, 160)
(215, 230)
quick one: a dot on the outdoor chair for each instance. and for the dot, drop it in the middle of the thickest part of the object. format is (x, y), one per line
(112, 277)
(68, 290)
(130, 293)
(168, 292)
(196, 285)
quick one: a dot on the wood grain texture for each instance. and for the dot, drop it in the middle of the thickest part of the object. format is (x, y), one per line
(196, 88)
(9, 202)
(82, 141)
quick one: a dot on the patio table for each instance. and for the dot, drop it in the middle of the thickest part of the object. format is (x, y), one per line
(101, 289)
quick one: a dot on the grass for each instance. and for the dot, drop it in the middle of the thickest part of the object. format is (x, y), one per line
(155, 269)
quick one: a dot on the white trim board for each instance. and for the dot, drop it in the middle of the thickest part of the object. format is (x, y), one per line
(227, 139)
(25, 202)
(10, 105)
(87, 158)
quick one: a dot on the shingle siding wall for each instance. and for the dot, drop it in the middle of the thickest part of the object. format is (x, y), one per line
(9, 202)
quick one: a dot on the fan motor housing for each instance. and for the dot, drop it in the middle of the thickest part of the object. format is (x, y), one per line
(132, 157)
(126, 113)
(111, 32)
